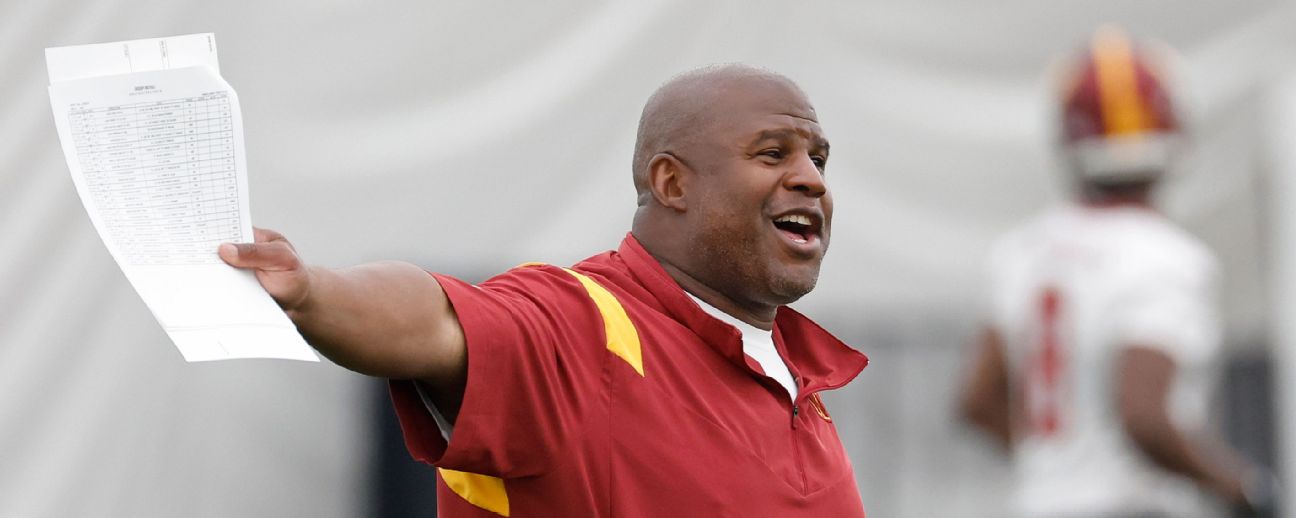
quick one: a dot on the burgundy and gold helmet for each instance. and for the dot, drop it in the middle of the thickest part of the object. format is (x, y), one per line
(1118, 122)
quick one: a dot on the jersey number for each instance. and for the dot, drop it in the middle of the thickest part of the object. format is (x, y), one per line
(1044, 372)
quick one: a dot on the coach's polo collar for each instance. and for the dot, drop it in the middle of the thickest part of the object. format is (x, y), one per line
(817, 358)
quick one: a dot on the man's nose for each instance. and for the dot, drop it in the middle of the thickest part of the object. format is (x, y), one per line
(805, 177)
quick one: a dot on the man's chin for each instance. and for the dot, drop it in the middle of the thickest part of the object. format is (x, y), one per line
(789, 289)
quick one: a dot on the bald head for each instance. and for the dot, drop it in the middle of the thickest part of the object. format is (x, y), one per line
(729, 168)
(686, 108)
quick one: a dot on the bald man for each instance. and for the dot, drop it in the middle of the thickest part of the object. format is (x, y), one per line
(664, 378)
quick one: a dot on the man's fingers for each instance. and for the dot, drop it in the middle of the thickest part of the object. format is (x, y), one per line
(263, 235)
(228, 253)
(270, 256)
(271, 252)
(276, 265)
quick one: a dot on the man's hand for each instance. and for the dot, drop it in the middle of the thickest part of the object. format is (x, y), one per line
(277, 267)
(386, 319)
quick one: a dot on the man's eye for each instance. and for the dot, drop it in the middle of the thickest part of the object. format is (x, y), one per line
(772, 154)
(820, 161)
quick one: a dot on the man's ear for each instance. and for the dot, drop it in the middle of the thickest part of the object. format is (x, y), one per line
(668, 179)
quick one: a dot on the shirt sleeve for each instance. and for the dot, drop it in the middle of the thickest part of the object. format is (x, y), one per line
(442, 423)
(534, 357)
(1172, 308)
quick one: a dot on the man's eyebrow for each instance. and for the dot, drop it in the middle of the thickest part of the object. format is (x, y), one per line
(774, 134)
(785, 133)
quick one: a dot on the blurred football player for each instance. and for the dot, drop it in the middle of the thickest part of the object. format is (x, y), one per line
(1094, 366)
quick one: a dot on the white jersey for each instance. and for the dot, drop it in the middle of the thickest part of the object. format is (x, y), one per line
(1068, 290)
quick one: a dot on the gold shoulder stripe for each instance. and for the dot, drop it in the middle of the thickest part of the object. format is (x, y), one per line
(622, 337)
(482, 491)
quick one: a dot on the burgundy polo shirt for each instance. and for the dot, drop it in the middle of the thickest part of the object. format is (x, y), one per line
(604, 390)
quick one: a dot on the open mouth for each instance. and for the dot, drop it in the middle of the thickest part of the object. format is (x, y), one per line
(799, 228)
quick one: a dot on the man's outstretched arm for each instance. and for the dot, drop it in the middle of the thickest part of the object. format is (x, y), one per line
(387, 319)
(1144, 377)
(985, 400)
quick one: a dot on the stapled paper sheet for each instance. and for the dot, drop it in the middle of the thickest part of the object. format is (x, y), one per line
(153, 137)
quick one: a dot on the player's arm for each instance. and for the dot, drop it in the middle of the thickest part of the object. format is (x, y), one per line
(1144, 378)
(985, 400)
(386, 319)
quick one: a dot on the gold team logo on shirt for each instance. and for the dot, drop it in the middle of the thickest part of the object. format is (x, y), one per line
(819, 407)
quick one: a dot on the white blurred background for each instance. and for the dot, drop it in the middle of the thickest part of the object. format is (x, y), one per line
(469, 137)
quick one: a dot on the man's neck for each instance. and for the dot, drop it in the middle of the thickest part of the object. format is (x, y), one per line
(658, 241)
(761, 317)
(1132, 195)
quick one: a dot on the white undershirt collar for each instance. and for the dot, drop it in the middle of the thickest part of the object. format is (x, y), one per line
(758, 344)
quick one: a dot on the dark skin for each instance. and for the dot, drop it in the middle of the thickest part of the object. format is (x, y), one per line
(725, 152)
(986, 399)
(1144, 376)
(388, 319)
(709, 196)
